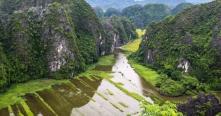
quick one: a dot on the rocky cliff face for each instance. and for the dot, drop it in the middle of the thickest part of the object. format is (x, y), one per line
(207, 105)
(189, 41)
(55, 38)
(119, 31)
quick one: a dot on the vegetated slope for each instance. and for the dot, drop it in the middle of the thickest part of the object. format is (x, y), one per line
(48, 38)
(121, 4)
(199, 1)
(179, 8)
(188, 43)
(119, 29)
(105, 4)
(170, 3)
(142, 16)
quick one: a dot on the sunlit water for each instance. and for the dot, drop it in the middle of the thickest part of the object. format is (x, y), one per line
(125, 74)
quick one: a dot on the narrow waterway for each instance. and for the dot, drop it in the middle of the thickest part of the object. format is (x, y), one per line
(91, 96)
(87, 96)
(125, 74)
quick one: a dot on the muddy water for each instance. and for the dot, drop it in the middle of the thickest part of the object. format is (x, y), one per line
(219, 95)
(4, 112)
(37, 106)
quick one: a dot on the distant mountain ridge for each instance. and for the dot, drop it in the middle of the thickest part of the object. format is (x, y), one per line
(171, 3)
(198, 1)
(120, 4)
(143, 15)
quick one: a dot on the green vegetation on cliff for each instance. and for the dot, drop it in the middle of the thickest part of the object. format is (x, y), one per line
(143, 16)
(167, 109)
(48, 39)
(181, 7)
(150, 76)
(185, 48)
(119, 30)
(17, 91)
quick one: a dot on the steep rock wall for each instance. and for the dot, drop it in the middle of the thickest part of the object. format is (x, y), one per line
(48, 39)
(189, 41)
(119, 31)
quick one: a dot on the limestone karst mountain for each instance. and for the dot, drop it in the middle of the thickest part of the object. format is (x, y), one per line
(120, 4)
(188, 42)
(48, 38)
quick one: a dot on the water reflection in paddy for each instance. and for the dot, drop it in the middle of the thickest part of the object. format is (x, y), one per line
(108, 101)
(82, 97)
(125, 74)
(92, 96)
(87, 96)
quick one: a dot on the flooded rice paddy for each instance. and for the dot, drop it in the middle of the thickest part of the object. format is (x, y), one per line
(81, 97)
(89, 96)
(85, 96)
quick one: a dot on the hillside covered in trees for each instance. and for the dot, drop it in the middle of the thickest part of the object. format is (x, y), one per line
(142, 57)
(186, 48)
(142, 16)
(121, 4)
(51, 39)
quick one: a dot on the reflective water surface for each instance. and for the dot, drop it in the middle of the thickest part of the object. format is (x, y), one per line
(124, 73)
(85, 96)
(91, 96)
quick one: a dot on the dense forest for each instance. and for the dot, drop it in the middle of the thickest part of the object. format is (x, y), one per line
(186, 49)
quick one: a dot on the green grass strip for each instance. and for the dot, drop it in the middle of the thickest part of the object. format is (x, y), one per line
(26, 108)
(132, 94)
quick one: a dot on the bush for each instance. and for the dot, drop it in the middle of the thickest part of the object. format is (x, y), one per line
(172, 88)
(173, 74)
(167, 109)
(176, 75)
(190, 82)
(203, 87)
(216, 86)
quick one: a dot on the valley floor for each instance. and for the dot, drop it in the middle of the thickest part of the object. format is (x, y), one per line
(113, 86)
(102, 90)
